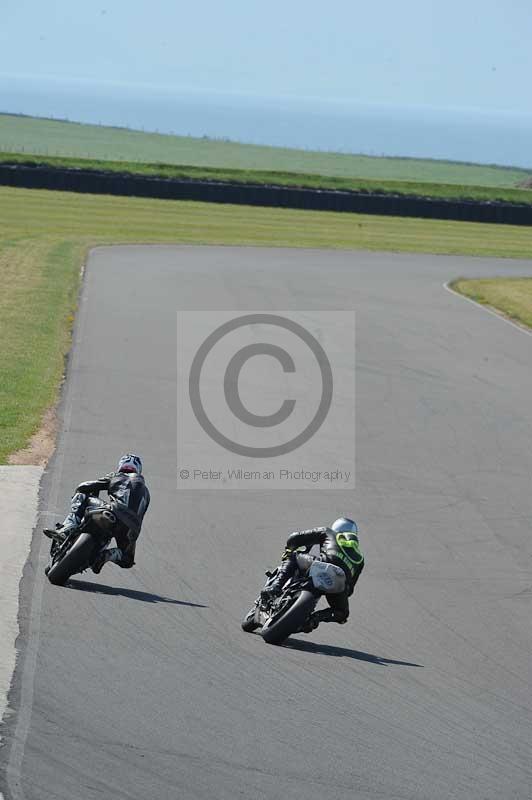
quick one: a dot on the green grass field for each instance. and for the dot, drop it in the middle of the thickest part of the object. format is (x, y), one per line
(45, 236)
(443, 190)
(54, 138)
(511, 296)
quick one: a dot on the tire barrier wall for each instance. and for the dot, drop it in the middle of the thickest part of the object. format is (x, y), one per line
(93, 182)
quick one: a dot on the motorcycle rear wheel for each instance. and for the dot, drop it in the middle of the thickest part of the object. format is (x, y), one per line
(278, 629)
(78, 558)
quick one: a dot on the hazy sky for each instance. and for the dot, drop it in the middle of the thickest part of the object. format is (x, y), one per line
(457, 53)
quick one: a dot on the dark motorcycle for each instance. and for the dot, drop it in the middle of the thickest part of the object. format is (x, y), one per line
(81, 547)
(293, 610)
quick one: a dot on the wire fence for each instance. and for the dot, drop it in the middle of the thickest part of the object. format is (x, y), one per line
(45, 151)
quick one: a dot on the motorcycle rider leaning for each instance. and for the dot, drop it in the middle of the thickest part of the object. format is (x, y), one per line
(130, 500)
(338, 545)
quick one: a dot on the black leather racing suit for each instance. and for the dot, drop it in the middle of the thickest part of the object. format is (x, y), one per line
(130, 499)
(341, 549)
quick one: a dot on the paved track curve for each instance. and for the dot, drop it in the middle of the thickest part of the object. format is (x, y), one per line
(140, 684)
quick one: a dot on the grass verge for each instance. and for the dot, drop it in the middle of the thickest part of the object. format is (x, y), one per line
(49, 137)
(511, 296)
(44, 238)
(446, 191)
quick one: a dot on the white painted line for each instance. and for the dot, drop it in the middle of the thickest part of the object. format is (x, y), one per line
(19, 494)
(489, 310)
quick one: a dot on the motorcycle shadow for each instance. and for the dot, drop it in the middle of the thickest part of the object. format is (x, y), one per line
(134, 594)
(344, 652)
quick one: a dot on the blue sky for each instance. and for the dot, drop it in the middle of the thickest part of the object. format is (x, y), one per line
(435, 79)
(468, 54)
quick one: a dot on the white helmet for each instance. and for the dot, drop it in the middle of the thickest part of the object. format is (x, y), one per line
(130, 463)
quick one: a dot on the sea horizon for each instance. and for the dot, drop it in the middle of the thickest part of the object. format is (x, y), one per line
(499, 138)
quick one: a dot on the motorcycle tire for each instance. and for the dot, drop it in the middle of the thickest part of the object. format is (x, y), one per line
(277, 629)
(78, 558)
(249, 623)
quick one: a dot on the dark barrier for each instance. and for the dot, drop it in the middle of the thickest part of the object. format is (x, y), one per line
(92, 182)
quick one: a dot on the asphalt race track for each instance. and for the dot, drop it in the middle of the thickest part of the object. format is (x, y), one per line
(140, 684)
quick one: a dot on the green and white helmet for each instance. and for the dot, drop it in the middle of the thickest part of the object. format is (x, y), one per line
(346, 531)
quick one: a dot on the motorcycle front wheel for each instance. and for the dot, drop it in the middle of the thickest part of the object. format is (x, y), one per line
(249, 623)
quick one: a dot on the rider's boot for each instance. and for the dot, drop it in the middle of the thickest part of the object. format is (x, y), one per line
(110, 554)
(72, 521)
(285, 571)
(60, 533)
(324, 615)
